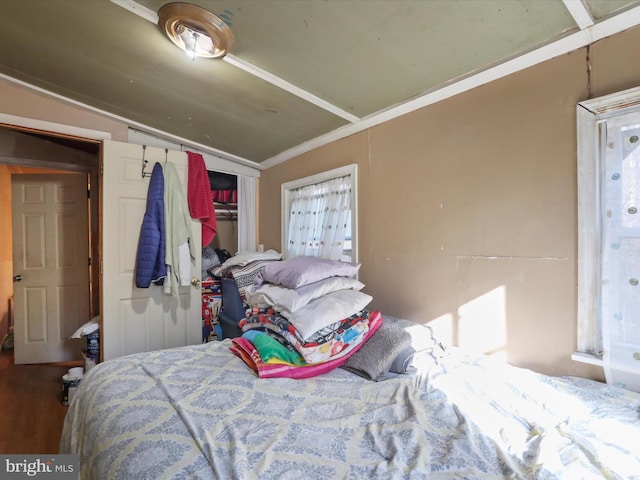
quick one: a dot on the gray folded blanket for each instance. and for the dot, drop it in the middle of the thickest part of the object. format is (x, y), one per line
(387, 351)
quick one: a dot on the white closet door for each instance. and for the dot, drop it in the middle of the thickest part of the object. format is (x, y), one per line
(140, 319)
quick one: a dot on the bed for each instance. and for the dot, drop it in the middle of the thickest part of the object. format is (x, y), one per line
(200, 412)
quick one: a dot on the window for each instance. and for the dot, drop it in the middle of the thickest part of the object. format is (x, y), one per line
(609, 235)
(319, 215)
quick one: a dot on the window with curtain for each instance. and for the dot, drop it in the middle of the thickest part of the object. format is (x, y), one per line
(319, 215)
(609, 235)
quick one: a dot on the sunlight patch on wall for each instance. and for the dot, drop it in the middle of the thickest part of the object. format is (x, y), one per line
(482, 323)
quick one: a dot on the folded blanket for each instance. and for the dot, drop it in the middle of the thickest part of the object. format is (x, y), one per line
(324, 344)
(389, 347)
(246, 351)
(269, 348)
(244, 258)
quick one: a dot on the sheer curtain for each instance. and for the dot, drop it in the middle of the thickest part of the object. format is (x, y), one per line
(246, 213)
(320, 215)
(621, 252)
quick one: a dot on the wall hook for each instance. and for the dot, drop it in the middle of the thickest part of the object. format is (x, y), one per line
(144, 162)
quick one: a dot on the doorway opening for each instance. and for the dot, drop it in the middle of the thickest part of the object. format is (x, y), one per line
(27, 151)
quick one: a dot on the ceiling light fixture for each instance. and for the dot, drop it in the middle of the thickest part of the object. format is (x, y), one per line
(195, 30)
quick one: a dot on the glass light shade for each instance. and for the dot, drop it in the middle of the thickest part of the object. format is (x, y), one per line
(195, 43)
(195, 30)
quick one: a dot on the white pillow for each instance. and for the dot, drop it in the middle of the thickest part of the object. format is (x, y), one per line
(300, 271)
(326, 310)
(289, 300)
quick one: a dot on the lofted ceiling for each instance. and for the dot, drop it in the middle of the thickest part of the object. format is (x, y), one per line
(301, 73)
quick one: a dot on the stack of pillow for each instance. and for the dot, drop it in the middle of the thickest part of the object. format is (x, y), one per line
(307, 316)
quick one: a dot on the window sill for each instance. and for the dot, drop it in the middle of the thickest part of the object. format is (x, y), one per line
(586, 358)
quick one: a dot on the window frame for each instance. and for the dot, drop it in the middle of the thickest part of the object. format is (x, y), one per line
(285, 202)
(592, 116)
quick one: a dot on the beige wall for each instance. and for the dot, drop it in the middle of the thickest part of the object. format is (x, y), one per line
(23, 102)
(468, 209)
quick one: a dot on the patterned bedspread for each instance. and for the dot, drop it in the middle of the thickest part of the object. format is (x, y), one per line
(199, 412)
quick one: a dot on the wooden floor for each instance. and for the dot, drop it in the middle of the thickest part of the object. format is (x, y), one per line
(31, 410)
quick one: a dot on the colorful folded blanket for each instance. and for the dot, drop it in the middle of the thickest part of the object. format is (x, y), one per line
(323, 344)
(269, 348)
(246, 351)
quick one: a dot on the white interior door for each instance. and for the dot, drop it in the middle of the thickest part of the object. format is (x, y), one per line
(50, 264)
(140, 319)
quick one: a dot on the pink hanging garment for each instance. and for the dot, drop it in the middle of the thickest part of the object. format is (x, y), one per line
(199, 197)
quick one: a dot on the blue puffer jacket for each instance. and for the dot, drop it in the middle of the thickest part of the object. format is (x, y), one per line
(150, 262)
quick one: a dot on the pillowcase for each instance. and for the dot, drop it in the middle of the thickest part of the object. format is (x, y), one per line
(284, 299)
(245, 275)
(326, 310)
(300, 271)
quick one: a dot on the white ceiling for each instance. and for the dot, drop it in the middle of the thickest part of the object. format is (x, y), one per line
(302, 73)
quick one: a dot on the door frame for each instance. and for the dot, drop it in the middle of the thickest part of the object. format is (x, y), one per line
(75, 137)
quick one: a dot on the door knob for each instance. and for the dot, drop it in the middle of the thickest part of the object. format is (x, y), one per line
(195, 281)
(17, 278)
